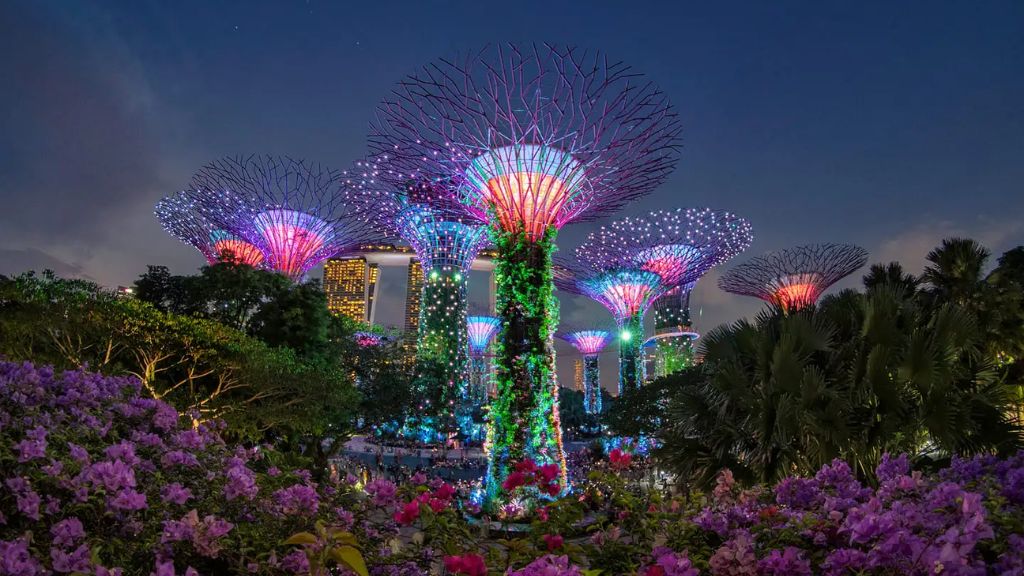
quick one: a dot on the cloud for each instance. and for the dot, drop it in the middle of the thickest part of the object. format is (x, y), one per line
(80, 151)
(13, 262)
(912, 246)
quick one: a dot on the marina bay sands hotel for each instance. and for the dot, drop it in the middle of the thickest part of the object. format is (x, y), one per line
(351, 283)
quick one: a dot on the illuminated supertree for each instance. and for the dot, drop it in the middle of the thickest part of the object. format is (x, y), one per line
(680, 246)
(627, 291)
(289, 209)
(446, 239)
(537, 137)
(590, 343)
(796, 277)
(481, 330)
(181, 217)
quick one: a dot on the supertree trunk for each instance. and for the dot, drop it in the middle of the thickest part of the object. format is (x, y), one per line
(672, 315)
(478, 380)
(443, 345)
(630, 340)
(592, 384)
(523, 421)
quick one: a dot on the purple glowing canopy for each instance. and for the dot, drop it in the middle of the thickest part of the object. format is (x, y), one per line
(291, 210)
(535, 136)
(588, 342)
(678, 245)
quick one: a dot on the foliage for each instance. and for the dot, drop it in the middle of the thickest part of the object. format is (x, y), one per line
(641, 412)
(203, 368)
(523, 420)
(98, 478)
(228, 292)
(896, 368)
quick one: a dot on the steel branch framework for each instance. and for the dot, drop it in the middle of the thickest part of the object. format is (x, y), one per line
(291, 210)
(796, 277)
(535, 134)
(181, 217)
(680, 246)
(533, 137)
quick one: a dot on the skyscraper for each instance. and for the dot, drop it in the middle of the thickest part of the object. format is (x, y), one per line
(345, 286)
(412, 301)
(578, 375)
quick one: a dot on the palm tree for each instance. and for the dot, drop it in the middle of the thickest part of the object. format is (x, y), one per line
(955, 270)
(860, 375)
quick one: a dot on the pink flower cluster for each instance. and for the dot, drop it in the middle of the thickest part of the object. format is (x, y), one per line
(527, 473)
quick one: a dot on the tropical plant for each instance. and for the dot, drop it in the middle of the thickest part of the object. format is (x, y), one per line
(859, 375)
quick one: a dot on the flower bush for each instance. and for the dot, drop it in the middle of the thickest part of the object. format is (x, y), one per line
(100, 480)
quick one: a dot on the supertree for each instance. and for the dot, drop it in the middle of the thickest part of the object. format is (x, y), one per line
(537, 137)
(590, 343)
(446, 239)
(796, 277)
(680, 246)
(288, 208)
(627, 291)
(181, 217)
(482, 330)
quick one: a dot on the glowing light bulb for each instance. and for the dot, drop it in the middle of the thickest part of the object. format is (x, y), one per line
(626, 336)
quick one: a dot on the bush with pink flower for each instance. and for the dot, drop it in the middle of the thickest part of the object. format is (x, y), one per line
(97, 479)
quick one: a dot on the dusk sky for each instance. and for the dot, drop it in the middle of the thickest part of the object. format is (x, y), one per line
(889, 125)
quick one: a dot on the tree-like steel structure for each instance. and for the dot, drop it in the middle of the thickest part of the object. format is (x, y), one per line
(537, 137)
(289, 209)
(627, 291)
(679, 245)
(446, 238)
(366, 339)
(590, 343)
(182, 218)
(481, 330)
(796, 277)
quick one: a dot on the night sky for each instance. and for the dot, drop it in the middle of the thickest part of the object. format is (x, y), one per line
(886, 126)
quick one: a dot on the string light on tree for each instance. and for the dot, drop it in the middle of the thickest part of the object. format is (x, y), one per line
(796, 277)
(446, 239)
(680, 246)
(536, 137)
(182, 218)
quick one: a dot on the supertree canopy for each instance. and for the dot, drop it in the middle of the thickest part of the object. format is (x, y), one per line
(481, 330)
(289, 209)
(590, 343)
(536, 137)
(446, 240)
(794, 278)
(680, 246)
(181, 217)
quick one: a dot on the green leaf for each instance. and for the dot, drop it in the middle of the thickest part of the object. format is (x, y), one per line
(351, 558)
(302, 539)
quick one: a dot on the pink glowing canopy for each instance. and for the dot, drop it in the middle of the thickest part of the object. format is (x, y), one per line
(528, 187)
(589, 342)
(624, 293)
(292, 240)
